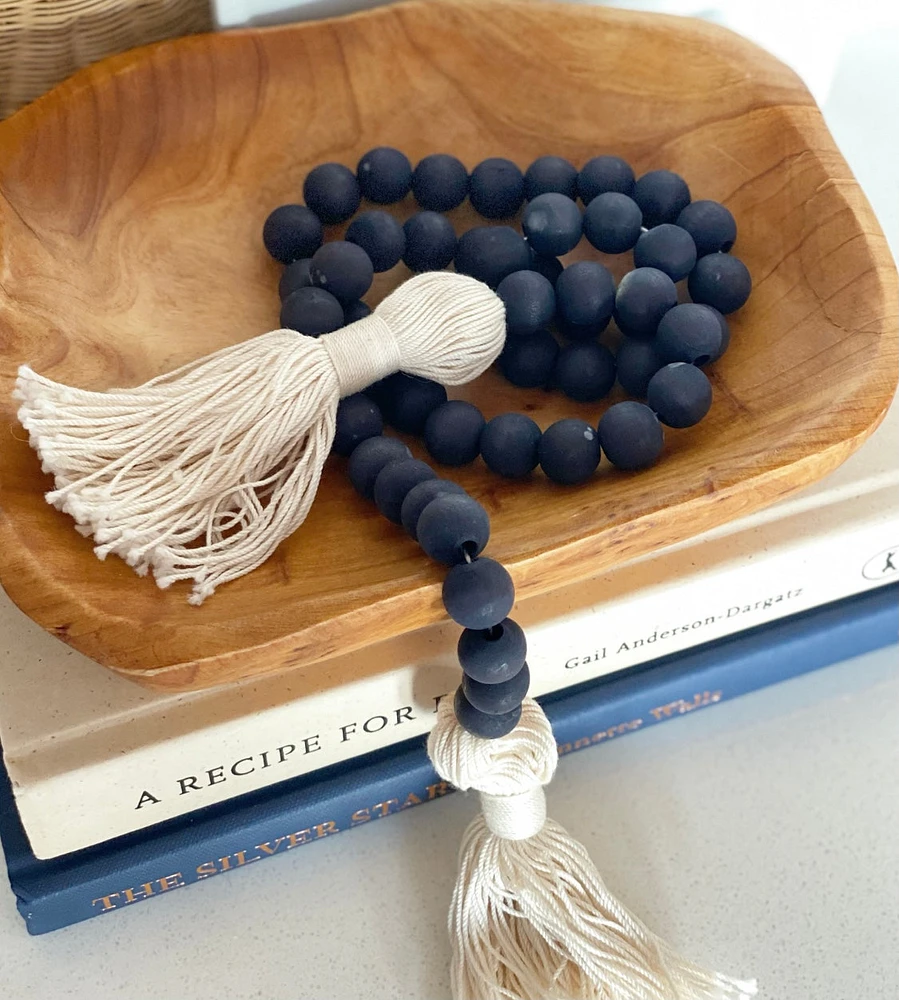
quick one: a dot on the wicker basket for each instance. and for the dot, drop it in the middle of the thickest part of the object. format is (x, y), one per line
(43, 41)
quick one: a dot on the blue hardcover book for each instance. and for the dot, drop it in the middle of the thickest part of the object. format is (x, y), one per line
(217, 839)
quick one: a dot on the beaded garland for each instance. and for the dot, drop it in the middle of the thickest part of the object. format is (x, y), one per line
(664, 349)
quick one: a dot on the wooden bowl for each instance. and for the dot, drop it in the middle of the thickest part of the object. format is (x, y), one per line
(132, 203)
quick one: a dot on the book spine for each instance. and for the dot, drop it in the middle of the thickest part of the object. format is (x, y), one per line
(746, 584)
(258, 826)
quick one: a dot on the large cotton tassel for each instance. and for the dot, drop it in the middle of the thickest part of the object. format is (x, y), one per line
(530, 918)
(200, 474)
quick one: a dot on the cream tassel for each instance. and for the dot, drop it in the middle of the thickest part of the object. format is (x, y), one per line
(530, 918)
(200, 474)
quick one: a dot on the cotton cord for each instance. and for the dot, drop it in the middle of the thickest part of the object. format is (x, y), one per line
(530, 917)
(201, 473)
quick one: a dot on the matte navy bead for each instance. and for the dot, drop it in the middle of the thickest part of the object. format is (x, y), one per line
(662, 195)
(380, 236)
(453, 526)
(430, 242)
(725, 331)
(602, 174)
(440, 182)
(549, 267)
(689, 332)
(528, 361)
(358, 418)
(585, 295)
(668, 248)
(497, 699)
(393, 483)
(369, 457)
(488, 727)
(479, 594)
(343, 269)
(584, 371)
(529, 300)
(569, 451)
(644, 296)
(613, 222)
(312, 311)
(637, 361)
(384, 175)
(509, 445)
(354, 311)
(680, 394)
(553, 224)
(420, 496)
(496, 188)
(493, 655)
(491, 253)
(720, 280)
(550, 173)
(453, 432)
(631, 435)
(332, 192)
(292, 232)
(410, 400)
(295, 275)
(711, 225)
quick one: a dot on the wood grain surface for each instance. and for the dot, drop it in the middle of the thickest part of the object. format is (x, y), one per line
(131, 205)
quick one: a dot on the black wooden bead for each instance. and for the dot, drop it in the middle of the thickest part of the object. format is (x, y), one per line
(312, 311)
(612, 222)
(569, 451)
(584, 371)
(479, 594)
(343, 269)
(358, 418)
(602, 174)
(496, 188)
(637, 361)
(631, 435)
(644, 296)
(680, 394)
(354, 311)
(528, 361)
(430, 242)
(394, 481)
(689, 332)
(369, 457)
(553, 224)
(332, 192)
(585, 295)
(410, 400)
(529, 300)
(668, 248)
(497, 699)
(711, 225)
(295, 275)
(453, 432)
(491, 253)
(291, 232)
(720, 280)
(550, 173)
(440, 182)
(419, 497)
(549, 267)
(662, 195)
(380, 236)
(452, 527)
(488, 727)
(509, 445)
(725, 331)
(493, 655)
(384, 175)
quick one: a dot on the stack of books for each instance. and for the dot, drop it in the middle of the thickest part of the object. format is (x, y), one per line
(112, 794)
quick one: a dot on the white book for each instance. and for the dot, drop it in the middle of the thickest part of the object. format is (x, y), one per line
(92, 756)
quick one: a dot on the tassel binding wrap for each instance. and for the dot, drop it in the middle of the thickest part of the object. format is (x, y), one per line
(201, 473)
(530, 917)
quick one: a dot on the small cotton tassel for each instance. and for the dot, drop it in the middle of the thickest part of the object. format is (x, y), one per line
(200, 474)
(530, 917)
